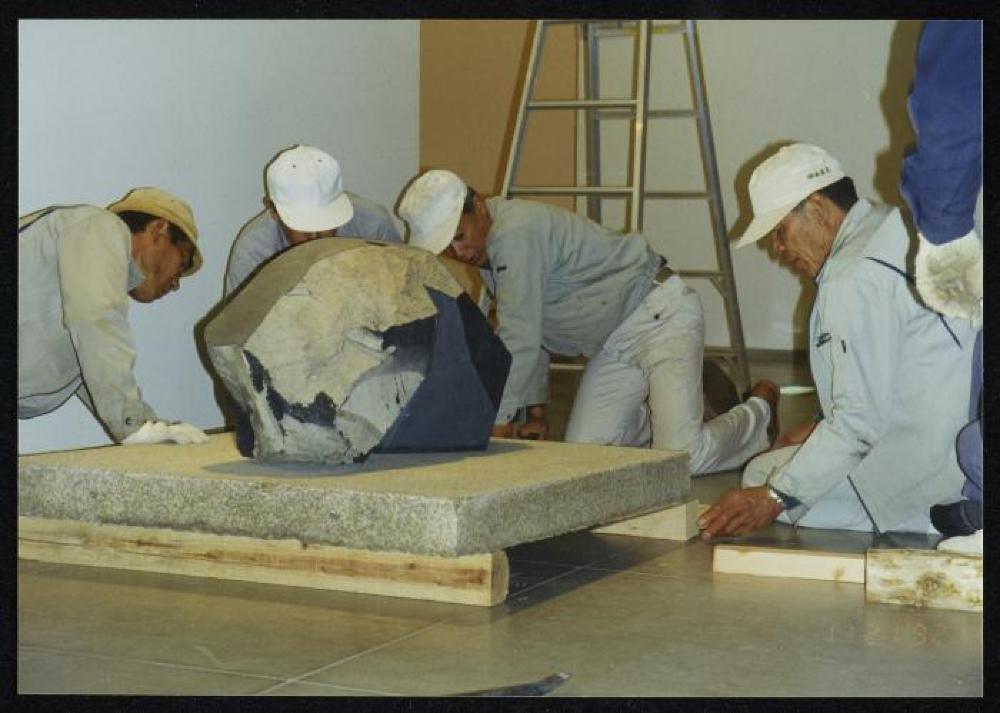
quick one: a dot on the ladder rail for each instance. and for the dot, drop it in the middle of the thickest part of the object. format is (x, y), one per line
(641, 95)
(514, 155)
(602, 190)
(710, 165)
(583, 104)
(593, 119)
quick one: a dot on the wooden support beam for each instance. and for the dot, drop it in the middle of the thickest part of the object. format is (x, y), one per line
(479, 579)
(782, 562)
(677, 522)
(925, 578)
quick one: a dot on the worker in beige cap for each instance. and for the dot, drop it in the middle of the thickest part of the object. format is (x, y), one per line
(892, 375)
(77, 266)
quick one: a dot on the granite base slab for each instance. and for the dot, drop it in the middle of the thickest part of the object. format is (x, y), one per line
(427, 503)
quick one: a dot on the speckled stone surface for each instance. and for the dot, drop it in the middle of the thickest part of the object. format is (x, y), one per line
(427, 503)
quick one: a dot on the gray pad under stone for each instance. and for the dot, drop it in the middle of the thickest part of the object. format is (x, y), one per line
(338, 347)
(424, 503)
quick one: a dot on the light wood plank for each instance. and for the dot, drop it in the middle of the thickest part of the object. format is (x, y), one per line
(925, 578)
(479, 579)
(677, 522)
(781, 562)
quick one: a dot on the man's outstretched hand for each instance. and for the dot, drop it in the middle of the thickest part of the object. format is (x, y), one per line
(536, 428)
(739, 512)
(532, 430)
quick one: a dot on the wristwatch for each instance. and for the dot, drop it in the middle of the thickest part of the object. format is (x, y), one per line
(785, 501)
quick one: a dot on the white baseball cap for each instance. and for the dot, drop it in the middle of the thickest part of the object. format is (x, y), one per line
(432, 207)
(305, 185)
(782, 181)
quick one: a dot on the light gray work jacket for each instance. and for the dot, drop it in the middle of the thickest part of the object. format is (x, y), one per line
(562, 284)
(74, 273)
(892, 378)
(262, 237)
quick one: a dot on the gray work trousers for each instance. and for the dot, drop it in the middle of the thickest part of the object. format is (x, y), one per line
(643, 388)
(839, 509)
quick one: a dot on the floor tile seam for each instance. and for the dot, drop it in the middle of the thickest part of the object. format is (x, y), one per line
(333, 686)
(655, 575)
(536, 585)
(546, 563)
(358, 654)
(189, 667)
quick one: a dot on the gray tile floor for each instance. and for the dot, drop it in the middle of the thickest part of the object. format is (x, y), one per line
(625, 616)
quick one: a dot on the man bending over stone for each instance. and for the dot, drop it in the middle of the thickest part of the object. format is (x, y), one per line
(77, 267)
(305, 200)
(567, 285)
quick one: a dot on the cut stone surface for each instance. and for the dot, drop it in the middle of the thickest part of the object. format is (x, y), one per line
(338, 347)
(427, 503)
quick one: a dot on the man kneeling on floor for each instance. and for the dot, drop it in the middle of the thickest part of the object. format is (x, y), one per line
(567, 285)
(892, 375)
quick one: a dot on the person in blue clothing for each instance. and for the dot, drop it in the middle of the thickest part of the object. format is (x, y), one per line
(941, 180)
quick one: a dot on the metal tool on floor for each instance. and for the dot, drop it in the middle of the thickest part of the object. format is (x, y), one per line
(535, 688)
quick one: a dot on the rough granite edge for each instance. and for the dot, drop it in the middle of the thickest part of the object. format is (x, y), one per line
(419, 524)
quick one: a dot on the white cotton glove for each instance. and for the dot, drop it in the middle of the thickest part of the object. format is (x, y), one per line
(964, 544)
(163, 432)
(950, 277)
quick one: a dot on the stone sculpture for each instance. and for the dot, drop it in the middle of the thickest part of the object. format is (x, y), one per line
(340, 347)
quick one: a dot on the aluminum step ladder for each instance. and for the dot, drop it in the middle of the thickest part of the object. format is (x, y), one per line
(637, 107)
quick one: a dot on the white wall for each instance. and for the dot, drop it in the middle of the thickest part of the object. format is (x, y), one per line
(199, 108)
(839, 84)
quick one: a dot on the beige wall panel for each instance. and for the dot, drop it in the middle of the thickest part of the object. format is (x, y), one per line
(471, 73)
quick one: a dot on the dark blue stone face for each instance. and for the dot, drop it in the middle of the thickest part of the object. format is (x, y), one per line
(455, 406)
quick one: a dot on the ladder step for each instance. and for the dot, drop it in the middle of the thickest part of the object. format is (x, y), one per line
(607, 28)
(569, 191)
(612, 108)
(603, 191)
(583, 104)
(566, 22)
(562, 366)
(677, 195)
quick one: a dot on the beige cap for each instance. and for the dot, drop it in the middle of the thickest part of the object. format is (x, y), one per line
(432, 207)
(782, 181)
(162, 204)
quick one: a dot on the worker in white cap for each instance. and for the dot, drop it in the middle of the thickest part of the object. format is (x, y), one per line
(77, 266)
(564, 284)
(305, 200)
(892, 376)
